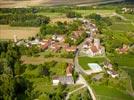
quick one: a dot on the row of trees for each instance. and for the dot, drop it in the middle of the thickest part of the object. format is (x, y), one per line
(23, 19)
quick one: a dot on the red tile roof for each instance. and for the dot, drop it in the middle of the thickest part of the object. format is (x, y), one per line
(71, 49)
(77, 34)
(94, 49)
(69, 69)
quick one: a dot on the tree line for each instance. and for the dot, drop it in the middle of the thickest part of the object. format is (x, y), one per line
(23, 19)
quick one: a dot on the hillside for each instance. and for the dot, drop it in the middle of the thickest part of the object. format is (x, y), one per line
(27, 3)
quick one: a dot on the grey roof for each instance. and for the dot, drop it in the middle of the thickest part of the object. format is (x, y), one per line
(66, 80)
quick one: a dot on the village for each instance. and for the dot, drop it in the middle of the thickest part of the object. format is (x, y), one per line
(67, 52)
(91, 47)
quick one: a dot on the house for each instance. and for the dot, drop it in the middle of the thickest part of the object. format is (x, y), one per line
(59, 38)
(63, 80)
(71, 49)
(88, 33)
(108, 65)
(113, 73)
(65, 45)
(122, 50)
(76, 34)
(88, 43)
(92, 47)
(56, 80)
(69, 70)
(55, 46)
(93, 51)
(97, 43)
(35, 42)
(66, 80)
(45, 44)
(127, 10)
(44, 41)
(21, 42)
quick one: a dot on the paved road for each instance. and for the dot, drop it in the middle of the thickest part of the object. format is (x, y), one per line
(118, 15)
(89, 88)
(67, 97)
(80, 70)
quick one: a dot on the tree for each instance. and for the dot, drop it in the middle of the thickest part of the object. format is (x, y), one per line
(46, 71)
(72, 14)
(43, 97)
(95, 16)
(115, 67)
(75, 76)
(17, 68)
(7, 84)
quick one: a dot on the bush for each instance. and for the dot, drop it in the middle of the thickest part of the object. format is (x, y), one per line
(72, 14)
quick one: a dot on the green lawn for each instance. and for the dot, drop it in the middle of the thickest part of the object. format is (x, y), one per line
(123, 60)
(50, 14)
(83, 61)
(109, 93)
(101, 12)
(59, 68)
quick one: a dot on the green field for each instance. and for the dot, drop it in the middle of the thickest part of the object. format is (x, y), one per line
(123, 60)
(130, 17)
(82, 94)
(101, 12)
(83, 61)
(122, 27)
(51, 14)
(130, 72)
(109, 93)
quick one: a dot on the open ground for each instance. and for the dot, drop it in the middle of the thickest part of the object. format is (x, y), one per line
(7, 32)
(41, 60)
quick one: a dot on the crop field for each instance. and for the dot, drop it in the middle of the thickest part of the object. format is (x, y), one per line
(101, 12)
(109, 93)
(7, 32)
(41, 60)
(83, 61)
(20, 3)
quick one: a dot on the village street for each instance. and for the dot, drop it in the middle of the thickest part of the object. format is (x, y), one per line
(81, 80)
(80, 71)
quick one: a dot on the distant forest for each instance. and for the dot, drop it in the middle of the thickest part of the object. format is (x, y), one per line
(129, 0)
